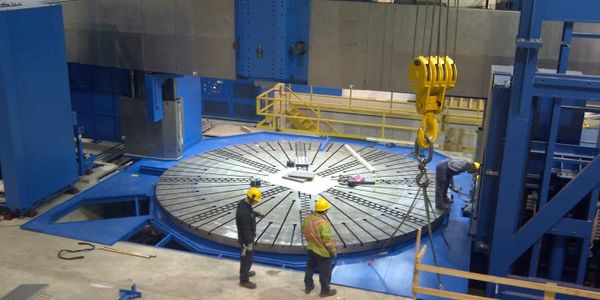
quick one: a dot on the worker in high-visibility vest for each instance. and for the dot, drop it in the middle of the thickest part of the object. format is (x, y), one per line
(321, 248)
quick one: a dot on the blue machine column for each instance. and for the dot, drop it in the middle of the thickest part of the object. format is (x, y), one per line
(36, 124)
(273, 39)
(516, 149)
(558, 253)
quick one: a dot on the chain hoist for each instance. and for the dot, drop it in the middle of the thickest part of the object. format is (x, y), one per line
(422, 180)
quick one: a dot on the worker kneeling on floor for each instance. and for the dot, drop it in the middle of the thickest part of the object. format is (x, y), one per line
(321, 248)
(245, 220)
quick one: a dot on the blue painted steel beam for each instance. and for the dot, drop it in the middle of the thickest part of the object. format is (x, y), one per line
(567, 11)
(570, 227)
(584, 35)
(567, 86)
(582, 154)
(516, 147)
(565, 48)
(546, 176)
(583, 108)
(557, 257)
(164, 241)
(551, 214)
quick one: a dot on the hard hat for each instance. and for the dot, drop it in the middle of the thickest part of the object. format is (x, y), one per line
(254, 193)
(322, 205)
(477, 165)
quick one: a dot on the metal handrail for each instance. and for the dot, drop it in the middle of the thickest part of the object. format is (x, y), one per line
(550, 289)
(274, 105)
(318, 113)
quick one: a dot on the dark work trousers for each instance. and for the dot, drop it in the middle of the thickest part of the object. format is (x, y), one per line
(323, 265)
(245, 265)
(443, 177)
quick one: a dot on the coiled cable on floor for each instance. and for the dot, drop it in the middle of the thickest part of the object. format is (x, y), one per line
(61, 253)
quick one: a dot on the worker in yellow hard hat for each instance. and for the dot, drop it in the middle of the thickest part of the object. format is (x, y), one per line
(321, 248)
(444, 173)
(245, 220)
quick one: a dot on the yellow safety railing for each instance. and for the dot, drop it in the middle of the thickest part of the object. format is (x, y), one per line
(324, 112)
(550, 289)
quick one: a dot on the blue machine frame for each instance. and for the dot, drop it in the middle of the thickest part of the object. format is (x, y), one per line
(512, 236)
(37, 150)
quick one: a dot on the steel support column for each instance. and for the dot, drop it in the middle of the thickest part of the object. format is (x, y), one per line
(516, 149)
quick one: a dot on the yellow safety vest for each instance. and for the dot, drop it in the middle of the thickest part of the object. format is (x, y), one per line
(317, 232)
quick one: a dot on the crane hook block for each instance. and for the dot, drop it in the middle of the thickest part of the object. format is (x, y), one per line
(430, 78)
(429, 127)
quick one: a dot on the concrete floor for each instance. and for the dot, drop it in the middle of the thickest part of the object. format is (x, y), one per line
(28, 257)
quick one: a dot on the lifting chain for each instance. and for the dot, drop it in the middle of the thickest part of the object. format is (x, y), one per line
(422, 180)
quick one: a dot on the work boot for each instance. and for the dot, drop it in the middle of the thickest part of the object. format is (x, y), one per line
(331, 292)
(308, 289)
(249, 285)
(251, 274)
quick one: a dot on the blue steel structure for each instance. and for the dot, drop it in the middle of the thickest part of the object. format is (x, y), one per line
(190, 89)
(154, 94)
(95, 93)
(37, 150)
(230, 99)
(272, 39)
(540, 158)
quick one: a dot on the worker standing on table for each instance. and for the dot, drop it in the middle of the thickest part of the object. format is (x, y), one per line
(444, 172)
(321, 248)
(245, 220)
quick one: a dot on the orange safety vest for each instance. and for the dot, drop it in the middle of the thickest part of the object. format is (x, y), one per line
(317, 232)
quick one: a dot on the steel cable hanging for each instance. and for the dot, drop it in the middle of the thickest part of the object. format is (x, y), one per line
(446, 35)
(439, 33)
(456, 28)
(415, 33)
(424, 26)
(441, 68)
(432, 26)
(441, 74)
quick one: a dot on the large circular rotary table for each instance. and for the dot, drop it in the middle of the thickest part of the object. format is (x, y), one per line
(201, 193)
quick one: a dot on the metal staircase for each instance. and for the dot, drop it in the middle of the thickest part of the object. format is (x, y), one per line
(300, 120)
